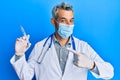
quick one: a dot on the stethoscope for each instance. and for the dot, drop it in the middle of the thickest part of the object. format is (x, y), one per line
(44, 51)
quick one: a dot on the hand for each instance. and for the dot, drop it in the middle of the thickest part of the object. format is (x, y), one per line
(82, 61)
(22, 45)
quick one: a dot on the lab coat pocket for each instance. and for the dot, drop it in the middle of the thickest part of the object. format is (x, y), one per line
(40, 70)
(79, 73)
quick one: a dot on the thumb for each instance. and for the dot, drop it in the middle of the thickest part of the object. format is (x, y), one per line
(28, 36)
(28, 46)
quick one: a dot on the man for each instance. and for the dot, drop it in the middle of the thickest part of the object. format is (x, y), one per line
(60, 56)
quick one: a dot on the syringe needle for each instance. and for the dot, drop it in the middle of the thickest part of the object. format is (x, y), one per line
(23, 31)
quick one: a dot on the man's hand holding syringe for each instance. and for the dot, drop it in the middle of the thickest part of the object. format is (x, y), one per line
(22, 44)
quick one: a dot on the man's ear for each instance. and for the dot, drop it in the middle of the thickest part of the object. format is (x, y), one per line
(53, 21)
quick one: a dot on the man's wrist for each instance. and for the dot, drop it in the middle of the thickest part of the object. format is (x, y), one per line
(17, 57)
(19, 54)
(93, 65)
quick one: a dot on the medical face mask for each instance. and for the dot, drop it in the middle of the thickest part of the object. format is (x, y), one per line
(65, 30)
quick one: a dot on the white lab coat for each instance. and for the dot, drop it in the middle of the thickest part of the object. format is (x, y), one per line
(50, 69)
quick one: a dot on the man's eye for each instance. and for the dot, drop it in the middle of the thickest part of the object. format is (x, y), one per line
(72, 21)
(62, 21)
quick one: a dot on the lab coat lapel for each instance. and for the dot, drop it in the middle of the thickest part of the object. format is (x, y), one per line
(69, 63)
(55, 57)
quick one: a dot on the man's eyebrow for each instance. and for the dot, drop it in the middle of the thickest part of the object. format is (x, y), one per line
(65, 18)
(62, 18)
(72, 18)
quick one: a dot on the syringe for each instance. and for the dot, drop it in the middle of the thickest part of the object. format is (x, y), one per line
(24, 33)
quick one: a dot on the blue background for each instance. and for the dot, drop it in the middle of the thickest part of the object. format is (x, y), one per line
(96, 21)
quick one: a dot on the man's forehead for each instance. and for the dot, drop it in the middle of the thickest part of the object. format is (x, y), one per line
(65, 14)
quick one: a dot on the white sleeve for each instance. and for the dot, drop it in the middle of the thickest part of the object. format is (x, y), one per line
(103, 69)
(24, 69)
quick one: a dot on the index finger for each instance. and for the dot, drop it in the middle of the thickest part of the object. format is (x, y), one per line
(26, 38)
(73, 51)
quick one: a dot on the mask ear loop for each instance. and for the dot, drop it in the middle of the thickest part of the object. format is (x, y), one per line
(56, 24)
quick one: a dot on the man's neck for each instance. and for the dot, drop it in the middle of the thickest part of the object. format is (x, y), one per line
(61, 40)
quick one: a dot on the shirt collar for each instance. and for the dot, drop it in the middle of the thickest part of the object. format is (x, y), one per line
(67, 44)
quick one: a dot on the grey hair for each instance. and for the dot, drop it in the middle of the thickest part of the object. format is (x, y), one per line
(63, 6)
